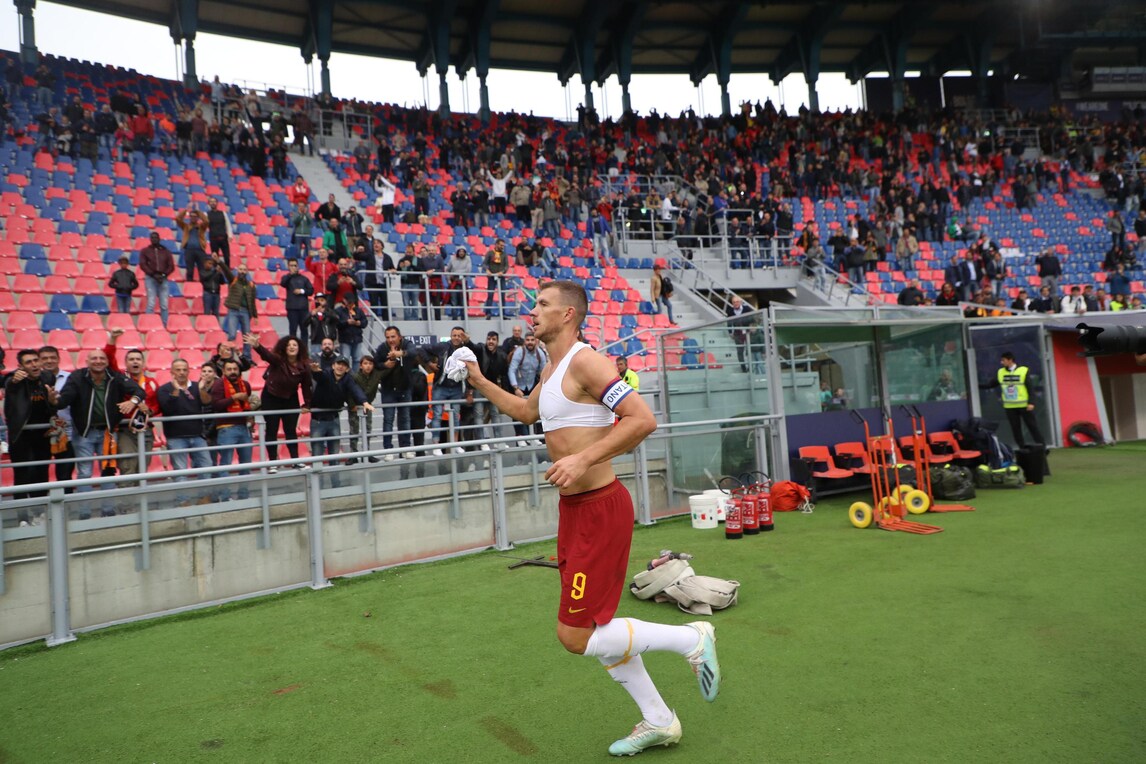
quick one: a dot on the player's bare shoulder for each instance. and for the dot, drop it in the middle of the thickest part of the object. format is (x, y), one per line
(593, 372)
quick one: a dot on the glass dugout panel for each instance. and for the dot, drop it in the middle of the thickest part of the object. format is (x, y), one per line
(924, 364)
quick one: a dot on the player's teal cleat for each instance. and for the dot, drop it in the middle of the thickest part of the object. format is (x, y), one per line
(645, 735)
(703, 661)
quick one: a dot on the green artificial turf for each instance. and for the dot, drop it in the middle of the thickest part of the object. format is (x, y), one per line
(1017, 635)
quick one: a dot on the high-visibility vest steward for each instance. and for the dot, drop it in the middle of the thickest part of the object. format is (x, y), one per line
(1014, 384)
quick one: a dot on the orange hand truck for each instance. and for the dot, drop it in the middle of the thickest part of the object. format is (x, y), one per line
(890, 506)
(922, 457)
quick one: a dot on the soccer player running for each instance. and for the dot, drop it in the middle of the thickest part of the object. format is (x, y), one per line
(576, 402)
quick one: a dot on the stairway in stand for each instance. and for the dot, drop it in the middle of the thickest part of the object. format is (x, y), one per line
(322, 181)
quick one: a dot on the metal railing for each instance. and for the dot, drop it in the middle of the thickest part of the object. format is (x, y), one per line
(340, 130)
(310, 507)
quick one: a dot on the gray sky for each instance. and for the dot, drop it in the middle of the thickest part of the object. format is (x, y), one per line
(148, 48)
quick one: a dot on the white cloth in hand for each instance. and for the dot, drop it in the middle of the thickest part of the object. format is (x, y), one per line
(455, 364)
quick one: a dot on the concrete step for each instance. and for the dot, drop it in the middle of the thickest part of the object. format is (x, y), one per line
(323, 182)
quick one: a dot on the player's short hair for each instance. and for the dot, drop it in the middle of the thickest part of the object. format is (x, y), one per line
(573, 295)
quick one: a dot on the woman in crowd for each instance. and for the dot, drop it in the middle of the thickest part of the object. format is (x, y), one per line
(288, 371)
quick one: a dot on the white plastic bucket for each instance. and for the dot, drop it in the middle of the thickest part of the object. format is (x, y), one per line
(703, 511)
(721, 498)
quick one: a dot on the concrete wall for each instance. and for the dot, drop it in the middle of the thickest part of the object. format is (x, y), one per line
(214, 557)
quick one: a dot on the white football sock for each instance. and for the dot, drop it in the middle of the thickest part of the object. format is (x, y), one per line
(631, 675)
(628, 636)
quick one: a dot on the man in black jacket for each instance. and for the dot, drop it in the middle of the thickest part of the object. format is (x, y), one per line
(334, 389)
(28, 408)
(298, 288)
(1049, 269)
(219, 231)
(495, 367)
(182, 398)
(321, 324)
(99, 399)
(352, 321)
(105, 125)
(911, 295)
(1046, 302)
(397, 359)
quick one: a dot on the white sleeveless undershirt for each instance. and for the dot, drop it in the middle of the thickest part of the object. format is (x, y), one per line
(558, 412)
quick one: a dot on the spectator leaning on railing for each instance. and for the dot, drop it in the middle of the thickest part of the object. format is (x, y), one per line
(182, 398)
(29, 406)
(231, 394)
(334, 389)
(99, 399)
(396, 359)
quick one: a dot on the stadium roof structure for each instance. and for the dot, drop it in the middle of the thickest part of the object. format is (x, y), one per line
(597, 39)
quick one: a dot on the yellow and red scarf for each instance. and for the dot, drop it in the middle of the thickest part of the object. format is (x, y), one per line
(232, 390)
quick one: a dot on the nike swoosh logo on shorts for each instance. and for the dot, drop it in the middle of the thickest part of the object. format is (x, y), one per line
(578, 610)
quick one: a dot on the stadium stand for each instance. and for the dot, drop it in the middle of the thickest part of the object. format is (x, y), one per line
(74, 200)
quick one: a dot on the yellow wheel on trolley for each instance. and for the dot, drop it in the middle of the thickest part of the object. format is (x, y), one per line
(860, 513)
(917, 502)
(887, 503)
(902, 491)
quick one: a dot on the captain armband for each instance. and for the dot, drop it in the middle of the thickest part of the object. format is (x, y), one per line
(614, 393)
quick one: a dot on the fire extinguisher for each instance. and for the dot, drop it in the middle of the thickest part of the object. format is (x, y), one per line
(748, 514)
(732, 526)
(764, 508)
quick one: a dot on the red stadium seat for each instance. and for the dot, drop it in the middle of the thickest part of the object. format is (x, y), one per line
(148, 322)
(25, 284)
(57, 285)
(944, 443)
(206, 323)
(178, 323)
(821, 463)
(66, 266)
(853, 456)
(33, 302)
(907, 446)
(64, 339)
(187, 339)
(18, 321)
(85, 285)
(84, 322)
(25, 339)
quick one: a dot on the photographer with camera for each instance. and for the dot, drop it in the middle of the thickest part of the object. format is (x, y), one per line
(157, 264)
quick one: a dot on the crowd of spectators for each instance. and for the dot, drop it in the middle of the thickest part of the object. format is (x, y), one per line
(690, 177)
(102, 419)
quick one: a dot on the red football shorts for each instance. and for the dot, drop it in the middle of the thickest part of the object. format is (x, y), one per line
(594, 534)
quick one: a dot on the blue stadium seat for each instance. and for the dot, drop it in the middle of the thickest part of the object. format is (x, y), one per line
(37, 268)
(63, 303)
(31, 251)
(56, 321)
(94, 303)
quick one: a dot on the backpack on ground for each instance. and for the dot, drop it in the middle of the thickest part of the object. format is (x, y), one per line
(999, 455)
(1004, 477)
(952, 483)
